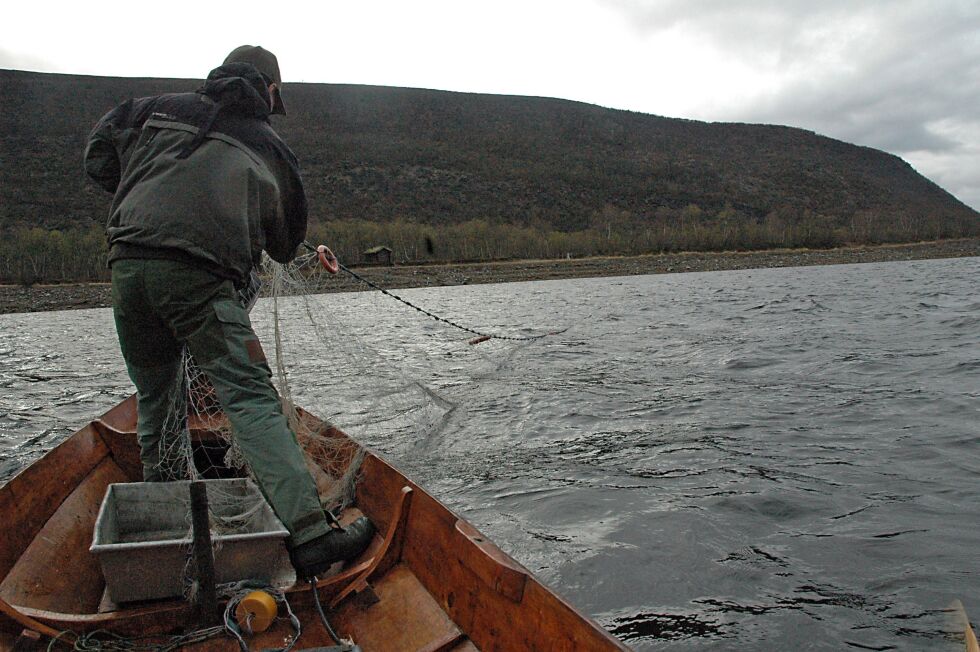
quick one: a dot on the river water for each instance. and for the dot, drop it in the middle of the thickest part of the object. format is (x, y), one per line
(758, 459)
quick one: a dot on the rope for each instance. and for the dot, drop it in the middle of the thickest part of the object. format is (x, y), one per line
(323, 616)
(102, 640)
(235, 629)
(105, 641)
(482, 336)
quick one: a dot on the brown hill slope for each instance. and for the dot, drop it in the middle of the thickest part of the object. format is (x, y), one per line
(438, 157)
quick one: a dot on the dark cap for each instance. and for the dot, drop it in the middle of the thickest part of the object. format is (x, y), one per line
(266, 63)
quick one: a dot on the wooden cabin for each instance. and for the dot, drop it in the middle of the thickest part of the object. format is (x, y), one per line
(378, 256)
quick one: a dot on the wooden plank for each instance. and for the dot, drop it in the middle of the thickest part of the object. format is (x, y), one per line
(378, 484)
(28, 641)
(12, 614)
(406, 618)
(56, 571)
(465, 646)
(156, 619)
(446, 644)
(497, 570)
(438, 556)
(389, 552)
(32, 496)
(397, 528)
(122, 417)
(124, 450)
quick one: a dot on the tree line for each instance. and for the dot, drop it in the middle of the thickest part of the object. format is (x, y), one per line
(37, 255)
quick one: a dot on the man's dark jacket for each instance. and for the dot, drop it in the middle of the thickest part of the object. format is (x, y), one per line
(200, 177)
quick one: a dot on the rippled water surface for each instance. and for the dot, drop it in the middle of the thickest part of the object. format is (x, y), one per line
(764, 459)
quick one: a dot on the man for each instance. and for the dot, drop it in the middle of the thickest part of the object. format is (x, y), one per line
(202, 185)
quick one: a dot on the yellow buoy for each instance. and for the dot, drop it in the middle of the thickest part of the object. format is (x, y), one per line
(256, 611)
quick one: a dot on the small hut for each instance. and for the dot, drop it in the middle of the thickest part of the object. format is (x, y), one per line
(378, 256)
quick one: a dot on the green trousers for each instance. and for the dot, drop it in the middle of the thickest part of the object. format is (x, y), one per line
(161, 306)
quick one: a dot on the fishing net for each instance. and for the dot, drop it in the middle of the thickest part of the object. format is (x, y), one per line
(322, 358)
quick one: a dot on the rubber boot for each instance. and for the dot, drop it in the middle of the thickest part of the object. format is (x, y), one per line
(316, 556)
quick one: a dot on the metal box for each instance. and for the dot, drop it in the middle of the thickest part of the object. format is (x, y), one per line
(143, 538)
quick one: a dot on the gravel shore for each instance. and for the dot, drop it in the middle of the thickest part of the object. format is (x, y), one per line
(15, 298)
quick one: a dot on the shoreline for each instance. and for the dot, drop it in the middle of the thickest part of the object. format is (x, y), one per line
(69, 296)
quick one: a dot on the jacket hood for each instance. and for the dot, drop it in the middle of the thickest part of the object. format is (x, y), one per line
(234, 88)
(240, 87)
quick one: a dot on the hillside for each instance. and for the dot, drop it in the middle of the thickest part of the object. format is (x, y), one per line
(438, 158)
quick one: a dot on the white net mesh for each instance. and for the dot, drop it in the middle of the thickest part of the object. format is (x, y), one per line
(325, 356)
(306, 337)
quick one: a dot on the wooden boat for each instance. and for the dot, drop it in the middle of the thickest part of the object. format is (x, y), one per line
(429, 581)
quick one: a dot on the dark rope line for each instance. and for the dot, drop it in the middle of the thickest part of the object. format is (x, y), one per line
(102, 640)
(436, 317)
(323, 616)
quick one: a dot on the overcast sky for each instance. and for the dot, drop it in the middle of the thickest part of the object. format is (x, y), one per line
(898, 75)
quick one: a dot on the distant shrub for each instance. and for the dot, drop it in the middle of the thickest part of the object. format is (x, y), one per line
(36, 255)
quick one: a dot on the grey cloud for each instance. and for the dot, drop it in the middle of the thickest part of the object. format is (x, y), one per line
(869, 72)
(765, 29)
(888, 103)
(791, 30)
